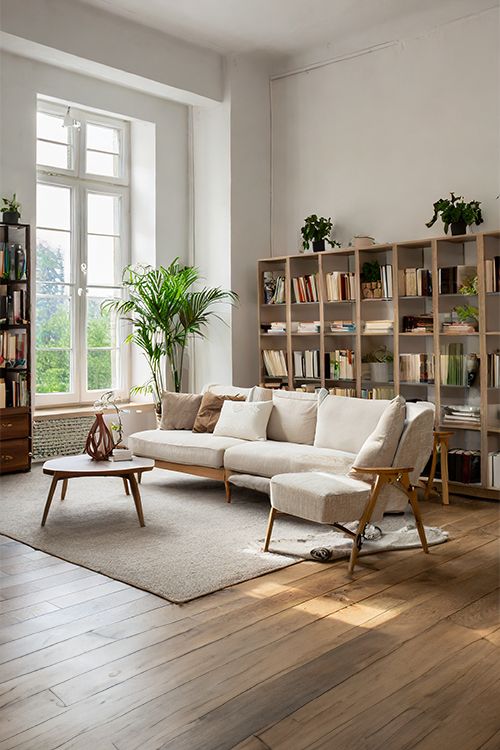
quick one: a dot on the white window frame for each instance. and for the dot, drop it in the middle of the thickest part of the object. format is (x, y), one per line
(81, 184)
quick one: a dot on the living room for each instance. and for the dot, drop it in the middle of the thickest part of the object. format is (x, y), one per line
(250, 374)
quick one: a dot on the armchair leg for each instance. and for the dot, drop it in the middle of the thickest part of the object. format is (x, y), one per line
(365, 518)
(270, 523)
(418, 520)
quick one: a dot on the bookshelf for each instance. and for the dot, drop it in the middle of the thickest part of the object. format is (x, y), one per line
(15, 348)
(411, 317)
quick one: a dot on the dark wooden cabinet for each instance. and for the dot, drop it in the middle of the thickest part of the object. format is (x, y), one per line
(15, 348)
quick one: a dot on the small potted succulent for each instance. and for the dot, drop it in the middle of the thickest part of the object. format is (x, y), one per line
(11, 210)
(371, 284)
(317, 231)
(457, 214)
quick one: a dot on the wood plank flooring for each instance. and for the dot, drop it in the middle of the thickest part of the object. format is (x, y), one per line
(405, 655)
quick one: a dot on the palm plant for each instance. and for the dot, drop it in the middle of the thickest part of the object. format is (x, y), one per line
(165, 311)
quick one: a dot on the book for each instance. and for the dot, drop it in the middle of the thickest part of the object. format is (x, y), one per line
(121, 454)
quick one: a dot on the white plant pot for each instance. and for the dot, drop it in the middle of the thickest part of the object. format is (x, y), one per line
(381, 372)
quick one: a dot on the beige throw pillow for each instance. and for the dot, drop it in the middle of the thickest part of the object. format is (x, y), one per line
(344, 423)
(293, 418)
(179, 410)
(209, 411)
(380, 447)
(247, 420)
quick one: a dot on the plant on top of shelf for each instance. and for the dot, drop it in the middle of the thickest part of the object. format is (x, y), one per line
(11, 210)
(467, 314)
(317, 231)
(456, 213)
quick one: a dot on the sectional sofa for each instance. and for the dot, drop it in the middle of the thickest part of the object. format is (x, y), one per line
(306, 433)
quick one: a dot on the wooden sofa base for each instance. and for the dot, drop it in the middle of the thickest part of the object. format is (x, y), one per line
(208, 472)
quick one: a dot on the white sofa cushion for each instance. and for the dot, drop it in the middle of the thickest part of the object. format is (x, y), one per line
(257, 393)
(320, 496)
(243, 419)
(380, 446)
(265, 459)
(344, 423)
(293, 418)
(182, 447)
(225, 390)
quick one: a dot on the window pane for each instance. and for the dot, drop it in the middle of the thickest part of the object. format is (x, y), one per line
(53, 320)
(107, 165)
(103, 138)
(102, 354)
(103, 213)
(100, 369)
(51, 128)
(53, 155)
(53, 372)
(52, 257)
(103, 252)
(53, 206)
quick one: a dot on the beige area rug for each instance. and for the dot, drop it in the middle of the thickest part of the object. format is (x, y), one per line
(193, 543)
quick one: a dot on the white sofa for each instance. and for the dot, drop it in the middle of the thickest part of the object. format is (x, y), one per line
(332, 430)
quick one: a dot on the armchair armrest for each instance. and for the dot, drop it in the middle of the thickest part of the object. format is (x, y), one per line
(384, 470)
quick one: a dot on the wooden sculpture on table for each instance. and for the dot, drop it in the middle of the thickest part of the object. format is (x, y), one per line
(99, 444)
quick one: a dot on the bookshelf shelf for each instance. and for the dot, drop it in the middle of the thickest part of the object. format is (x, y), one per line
(15, 348)
(415, 266)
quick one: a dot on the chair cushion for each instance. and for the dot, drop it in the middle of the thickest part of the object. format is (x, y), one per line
(320, 496)
(293, 418)
(270, 457)
(344, 423)
(380, 446)
(245, 420)
(182, 447)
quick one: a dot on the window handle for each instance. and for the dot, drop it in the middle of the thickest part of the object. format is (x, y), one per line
(81, 291)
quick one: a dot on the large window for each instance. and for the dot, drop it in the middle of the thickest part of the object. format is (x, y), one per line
(81, 249)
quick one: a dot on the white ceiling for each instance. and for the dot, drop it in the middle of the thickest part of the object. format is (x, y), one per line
(283, 27)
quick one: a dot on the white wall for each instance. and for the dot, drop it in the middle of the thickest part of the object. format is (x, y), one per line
(374, 140)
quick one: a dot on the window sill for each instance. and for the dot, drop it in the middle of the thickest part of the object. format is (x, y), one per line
(65, 412)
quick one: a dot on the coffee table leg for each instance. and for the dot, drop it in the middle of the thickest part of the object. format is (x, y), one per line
(52, 489)
(139, 477)
(64, 489)
(125, 484)
(137, 498)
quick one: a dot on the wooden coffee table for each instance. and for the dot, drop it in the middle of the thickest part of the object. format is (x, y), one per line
(69, 467)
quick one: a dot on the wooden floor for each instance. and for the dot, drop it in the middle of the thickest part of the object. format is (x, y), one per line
(407, 655)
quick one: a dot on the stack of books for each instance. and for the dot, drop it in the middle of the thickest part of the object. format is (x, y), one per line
(340, 286)
(12, 349)
(494, 370)
(378, 326)
(494, 469)
(414, 282)
(341, 326)
(275, 363)
(312, 326)
(275, 327)
(418, 324)
(305, 288)
(306, 364)
(492, 274)
(340, 365)
(274, 288)
(350, 392)
(463, 415)
(452, 279)
(458, 328)
(416, 368)
(464, 466)
(381, 391)
(12, 261)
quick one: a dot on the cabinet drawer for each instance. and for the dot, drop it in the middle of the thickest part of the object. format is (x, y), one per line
(13, 427)
(14, 455)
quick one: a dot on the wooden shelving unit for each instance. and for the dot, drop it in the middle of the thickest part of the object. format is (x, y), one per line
(16, 420)
(431, 254)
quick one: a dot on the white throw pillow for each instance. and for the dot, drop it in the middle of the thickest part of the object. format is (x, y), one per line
(257, 393)
(344, 423)
(381, 445)
(293, 418)
(244, 419)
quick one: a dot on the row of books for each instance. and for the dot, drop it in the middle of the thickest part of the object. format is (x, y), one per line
(280, 327)
(275, 363)
(492, 274)
(381, 327)
(452, 278)
(306, 364)
(460, 414)
(378, 392)
(416, 368)
(14, 390)
(340, 365)
(386, 280)
(455, 365)
(494, 469)
(350, 392)
(13, 261)
(12, 349)
(305, 288)
(342, 326)
(414, 282)
(13, 305)
(418, 324)
(340, 286)
(274, 288)
(494, 370)
(464, 466)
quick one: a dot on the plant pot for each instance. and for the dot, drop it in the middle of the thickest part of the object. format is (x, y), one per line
(10, 217)
(318, 246)
(381, 372)
(458, 227)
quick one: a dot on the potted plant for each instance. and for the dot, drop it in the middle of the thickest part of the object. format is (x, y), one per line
(379, 365)
(457, 214)
(317, 231)
(11, 210)
(371, 285)
(165, 311)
